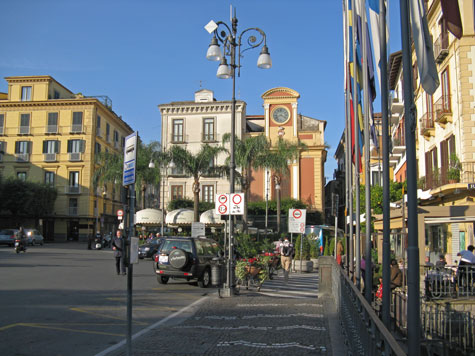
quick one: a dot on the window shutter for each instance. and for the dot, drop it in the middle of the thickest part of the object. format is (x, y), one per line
(45, 146)
(30, 145)
(56, 146)
(82, 146)
(17, 147)
(70, 146)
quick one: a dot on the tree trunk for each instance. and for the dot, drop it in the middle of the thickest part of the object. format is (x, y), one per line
(196, 200)
(277, 193)
(245, 188)
(142, 197)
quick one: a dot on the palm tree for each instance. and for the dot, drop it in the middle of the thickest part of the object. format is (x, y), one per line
(247, 152)
(196, 165)
(277, 161)
(109, 167)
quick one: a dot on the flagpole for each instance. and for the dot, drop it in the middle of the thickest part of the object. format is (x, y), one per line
(385, 128)
(368, 269)
(348, 197)
(413, 291)
(357, 148)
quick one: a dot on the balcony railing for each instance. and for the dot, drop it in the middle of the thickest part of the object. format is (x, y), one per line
(1, 130)
(443, 110)
(73, 211)
(24, 130)
(22, 157)
(179, 138)
(441, 47)
(436, 179)
(50, 157)
(72, 189)
(427, 124)
(52, 129)
(75, 156)
(77, 128)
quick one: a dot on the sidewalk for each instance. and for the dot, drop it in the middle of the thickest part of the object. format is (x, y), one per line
(279, 320)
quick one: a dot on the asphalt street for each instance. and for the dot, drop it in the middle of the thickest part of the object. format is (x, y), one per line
(62, 299)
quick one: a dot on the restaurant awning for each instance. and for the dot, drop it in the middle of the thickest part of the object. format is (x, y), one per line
(209, 217)
(148, 217)
(180, 217)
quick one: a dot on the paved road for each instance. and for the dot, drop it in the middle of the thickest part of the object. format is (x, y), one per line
(62, 299)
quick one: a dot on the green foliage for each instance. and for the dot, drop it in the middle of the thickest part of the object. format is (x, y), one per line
(395, 194)
(259, 207)
(22, 198)
(248, 246)
(306, 247)
(180, 204)
(455, 166)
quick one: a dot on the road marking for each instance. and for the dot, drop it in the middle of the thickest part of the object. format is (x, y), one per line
(6, 327)
(153, 326)
(49, 326)
(105, 315)
(269, 346)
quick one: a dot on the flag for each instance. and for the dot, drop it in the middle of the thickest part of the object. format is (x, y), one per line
(375, 22)
(451, 13)
(423, 45)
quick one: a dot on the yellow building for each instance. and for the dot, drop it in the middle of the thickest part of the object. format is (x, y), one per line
(50, 135)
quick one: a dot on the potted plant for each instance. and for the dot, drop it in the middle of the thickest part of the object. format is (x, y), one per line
(453, 173)
(302, 261)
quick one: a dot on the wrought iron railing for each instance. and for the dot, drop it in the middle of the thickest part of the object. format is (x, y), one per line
(441, 46)
(427, 123)
(454, 282)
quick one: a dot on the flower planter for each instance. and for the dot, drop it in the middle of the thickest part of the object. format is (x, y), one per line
(307, 266)
(315, 263)
(253, 270)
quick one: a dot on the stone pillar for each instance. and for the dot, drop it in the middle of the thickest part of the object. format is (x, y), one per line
(325, 266)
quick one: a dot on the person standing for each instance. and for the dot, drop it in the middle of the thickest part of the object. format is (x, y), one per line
(286, 249)
(339, 252)
(118, 247)
(465, 267)
(396, 275)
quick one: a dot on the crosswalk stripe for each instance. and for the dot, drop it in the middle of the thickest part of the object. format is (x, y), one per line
(298, 286)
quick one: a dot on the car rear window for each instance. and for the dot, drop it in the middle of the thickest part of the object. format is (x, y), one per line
(169, 245)
(7, 232)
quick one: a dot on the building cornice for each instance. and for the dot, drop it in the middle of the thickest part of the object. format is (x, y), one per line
(285, 93)
(199, 108)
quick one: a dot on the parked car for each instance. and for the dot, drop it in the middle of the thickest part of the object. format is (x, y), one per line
(7, 236)
(34, 237)
(148, 249)
(190, 258)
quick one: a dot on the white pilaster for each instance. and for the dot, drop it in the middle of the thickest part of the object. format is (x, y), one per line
(294, 115)
(295, 181)
(267, 115)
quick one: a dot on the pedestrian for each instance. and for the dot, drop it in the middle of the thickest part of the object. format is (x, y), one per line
(440, 264)
(157, 235)
(465, 267)
(379, 292)
(286, 249)
(339, 252)
(118, 248)
(396, 275)
(90, 239)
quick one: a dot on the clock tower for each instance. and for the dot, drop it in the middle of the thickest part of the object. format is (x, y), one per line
(280, 113)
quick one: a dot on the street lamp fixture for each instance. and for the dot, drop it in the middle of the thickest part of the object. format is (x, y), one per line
(233, 42)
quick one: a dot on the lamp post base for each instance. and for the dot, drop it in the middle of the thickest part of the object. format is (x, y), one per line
(227, 292)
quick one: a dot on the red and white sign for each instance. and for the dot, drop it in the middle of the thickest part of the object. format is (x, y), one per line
(120, 214)
(297, 220)
(229, 204)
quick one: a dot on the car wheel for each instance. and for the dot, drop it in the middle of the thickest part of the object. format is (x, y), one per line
(205, 280)
(163, 279)
(178, 258)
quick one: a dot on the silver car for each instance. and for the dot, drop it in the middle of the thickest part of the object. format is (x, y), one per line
(7, 236)
(34, 237)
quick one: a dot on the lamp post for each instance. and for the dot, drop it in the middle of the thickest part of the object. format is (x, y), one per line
(164, 168)
(230, 39)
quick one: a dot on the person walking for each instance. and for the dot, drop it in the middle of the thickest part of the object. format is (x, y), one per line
(286, 249)
(118, 248)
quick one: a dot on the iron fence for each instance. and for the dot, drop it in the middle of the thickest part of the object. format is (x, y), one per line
(449, 282)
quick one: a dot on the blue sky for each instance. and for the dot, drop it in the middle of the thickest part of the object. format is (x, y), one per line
(143, 53)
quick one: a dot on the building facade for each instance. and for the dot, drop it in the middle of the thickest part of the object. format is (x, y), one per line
(51, 135)
(306, 177)
(191, 124)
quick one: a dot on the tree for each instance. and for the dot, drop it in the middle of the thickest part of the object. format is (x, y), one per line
(277, 160)
(246, 155)
(109, 167)
(197, 165)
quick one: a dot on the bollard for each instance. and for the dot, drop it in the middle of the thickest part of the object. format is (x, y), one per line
(216, 272)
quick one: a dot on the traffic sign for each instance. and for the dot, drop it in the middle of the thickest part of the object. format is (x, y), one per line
(297, 220)
(120, 214)
(237, 204)
(221, 205)
(130, 157)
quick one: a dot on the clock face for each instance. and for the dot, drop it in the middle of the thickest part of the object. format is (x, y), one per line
(280, 115)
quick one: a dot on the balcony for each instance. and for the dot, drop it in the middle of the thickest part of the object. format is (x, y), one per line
(98, 132)
(75, 156)
(441, 48)
(72, 189)
(52, 129)
(443, 110)
(397, 106)
(73, 211)
(77, 128)
(439, 177)
(22, 157)
(24, 130)
(427, 124)
(399, 144)
(50, 157)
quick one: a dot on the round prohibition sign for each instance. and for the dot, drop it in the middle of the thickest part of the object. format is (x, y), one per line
(222, 199)
(297, 214)
(237, 199)
(222, 209)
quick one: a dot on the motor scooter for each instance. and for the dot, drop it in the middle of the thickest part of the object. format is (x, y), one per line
(98, 242)
(19, 246)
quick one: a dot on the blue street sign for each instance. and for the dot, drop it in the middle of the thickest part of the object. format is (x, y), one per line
(130, 157)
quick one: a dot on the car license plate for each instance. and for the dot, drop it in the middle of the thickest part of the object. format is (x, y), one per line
(163, 259)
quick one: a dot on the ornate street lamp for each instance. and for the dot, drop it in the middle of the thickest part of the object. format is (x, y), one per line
(248, 39)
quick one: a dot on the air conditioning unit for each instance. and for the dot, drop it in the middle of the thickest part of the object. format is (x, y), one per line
(75, 156)
(50, 157)
(22, 157)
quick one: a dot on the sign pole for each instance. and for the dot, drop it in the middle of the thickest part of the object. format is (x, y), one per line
(130, 268)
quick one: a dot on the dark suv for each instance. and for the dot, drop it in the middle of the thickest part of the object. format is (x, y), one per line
(186, 257)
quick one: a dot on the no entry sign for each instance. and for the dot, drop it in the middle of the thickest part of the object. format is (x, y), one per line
(297, 220)
(229, 204)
